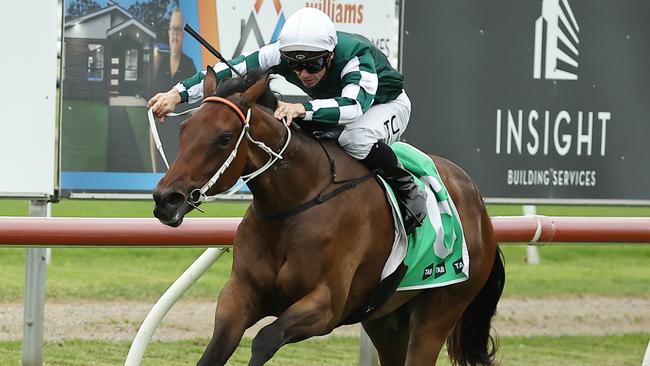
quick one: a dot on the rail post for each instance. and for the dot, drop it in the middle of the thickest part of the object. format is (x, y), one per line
(34, 309)
(532, 252)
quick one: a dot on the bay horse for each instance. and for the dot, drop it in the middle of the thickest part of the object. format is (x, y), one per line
(310, 262)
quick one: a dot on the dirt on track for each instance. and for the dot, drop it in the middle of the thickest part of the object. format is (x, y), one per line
(120, 320)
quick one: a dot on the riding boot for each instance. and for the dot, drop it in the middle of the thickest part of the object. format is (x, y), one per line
(411, 198)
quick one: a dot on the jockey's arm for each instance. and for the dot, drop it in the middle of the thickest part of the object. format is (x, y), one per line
(360, 83)
(191, 89)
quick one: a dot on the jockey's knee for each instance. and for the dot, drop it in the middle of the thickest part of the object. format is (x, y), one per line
(357, 142)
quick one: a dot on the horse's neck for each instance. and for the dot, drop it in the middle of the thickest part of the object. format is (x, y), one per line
(303, 169)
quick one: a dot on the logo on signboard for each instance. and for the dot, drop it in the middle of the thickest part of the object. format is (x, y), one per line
(252, 26)
(556, 42)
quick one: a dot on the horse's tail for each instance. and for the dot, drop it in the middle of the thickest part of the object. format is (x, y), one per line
(470, 343)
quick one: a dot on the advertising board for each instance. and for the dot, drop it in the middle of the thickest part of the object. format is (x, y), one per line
(120, 53)
(539, 101)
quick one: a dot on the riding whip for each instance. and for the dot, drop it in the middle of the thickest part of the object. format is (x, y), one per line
(209, 47)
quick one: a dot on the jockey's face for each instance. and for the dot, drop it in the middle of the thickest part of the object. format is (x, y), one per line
(311, 80)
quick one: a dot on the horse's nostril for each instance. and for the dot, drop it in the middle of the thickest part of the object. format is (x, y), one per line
(168, 200)
(157, 197)
(175, 199)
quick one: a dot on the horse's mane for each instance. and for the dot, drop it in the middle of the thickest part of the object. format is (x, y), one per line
(233, 85)
(268, 99)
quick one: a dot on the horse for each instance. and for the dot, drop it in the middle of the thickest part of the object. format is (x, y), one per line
(310, 249)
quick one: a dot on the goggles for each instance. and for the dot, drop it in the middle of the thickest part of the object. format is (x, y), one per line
(310, 64)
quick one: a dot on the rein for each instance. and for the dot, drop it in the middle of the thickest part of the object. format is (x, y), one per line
(154, 131)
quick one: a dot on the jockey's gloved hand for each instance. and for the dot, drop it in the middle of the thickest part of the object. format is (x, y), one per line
(163, 103)
(289, 111)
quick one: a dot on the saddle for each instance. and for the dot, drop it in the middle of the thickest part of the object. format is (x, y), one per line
(321, 131)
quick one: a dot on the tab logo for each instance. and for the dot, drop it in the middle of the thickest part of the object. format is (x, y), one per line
(556, 42)
(427, 272)
(440, 270)
(459, 265)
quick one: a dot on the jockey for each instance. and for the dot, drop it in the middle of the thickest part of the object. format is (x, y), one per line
(351, 83)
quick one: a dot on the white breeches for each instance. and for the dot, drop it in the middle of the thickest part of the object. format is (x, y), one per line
(382, 122)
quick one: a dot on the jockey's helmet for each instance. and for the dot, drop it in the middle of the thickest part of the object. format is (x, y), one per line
(308, 34)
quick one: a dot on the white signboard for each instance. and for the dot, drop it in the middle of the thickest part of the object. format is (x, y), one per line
(28, 70)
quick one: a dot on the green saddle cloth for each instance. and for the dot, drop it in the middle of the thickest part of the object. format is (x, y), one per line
(436, 253)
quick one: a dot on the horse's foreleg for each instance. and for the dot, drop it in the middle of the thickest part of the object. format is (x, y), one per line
(237, 309)
(310, 316)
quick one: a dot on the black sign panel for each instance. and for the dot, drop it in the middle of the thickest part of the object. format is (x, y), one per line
(534, 99)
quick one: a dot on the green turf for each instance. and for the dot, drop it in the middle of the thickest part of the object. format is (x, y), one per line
(85, 130)
(333, 351)
(143, 274)
(571, 270)
(118, 208)
(571, 210)
(13, 207)
(620, 350)
(136, 208)
(112, 273)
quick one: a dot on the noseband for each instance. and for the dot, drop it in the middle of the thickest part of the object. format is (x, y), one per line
(198, 195)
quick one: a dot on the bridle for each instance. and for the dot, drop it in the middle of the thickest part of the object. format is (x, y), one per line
(198, 195)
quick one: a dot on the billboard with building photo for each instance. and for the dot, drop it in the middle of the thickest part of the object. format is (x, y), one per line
(117, 54)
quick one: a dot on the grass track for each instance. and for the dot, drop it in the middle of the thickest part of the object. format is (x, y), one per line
(622, 350)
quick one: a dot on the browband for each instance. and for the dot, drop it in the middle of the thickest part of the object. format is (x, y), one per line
(230, 104)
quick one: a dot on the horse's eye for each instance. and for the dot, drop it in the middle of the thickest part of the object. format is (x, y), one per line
(224, 139)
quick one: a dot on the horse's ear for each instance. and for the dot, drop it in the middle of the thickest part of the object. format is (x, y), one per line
(251, 94)
(210, 82)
